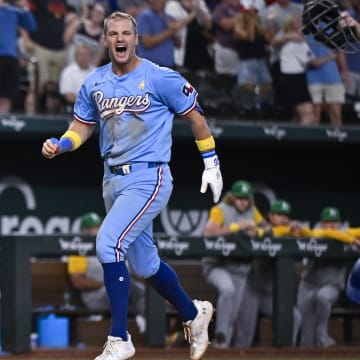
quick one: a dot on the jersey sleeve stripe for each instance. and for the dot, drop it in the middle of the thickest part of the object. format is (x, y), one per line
(88, 122)
(184, 113)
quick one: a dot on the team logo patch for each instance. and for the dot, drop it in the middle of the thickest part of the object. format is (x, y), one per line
(187, 89)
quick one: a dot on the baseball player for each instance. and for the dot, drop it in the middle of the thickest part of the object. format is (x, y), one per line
(258, 293)
(134, 102)
(236, 212)
(322, 281)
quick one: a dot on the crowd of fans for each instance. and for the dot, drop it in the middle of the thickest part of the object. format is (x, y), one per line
(245, 57)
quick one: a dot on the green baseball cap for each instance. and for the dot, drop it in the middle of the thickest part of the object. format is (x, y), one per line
(281, 207)
(90, 220)
(330, 214)
(242, 188)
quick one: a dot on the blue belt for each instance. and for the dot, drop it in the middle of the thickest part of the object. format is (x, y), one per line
(125, 169)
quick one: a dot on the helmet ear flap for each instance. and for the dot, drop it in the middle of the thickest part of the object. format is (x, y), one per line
(321, 20)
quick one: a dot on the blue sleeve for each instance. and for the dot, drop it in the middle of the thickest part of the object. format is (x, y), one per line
(177, 93)
(27, 21)
(84, 109)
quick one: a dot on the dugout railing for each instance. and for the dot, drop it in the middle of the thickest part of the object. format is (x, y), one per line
(15, 275)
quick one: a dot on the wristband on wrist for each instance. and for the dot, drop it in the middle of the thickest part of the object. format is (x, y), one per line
(234, 227)
(260, 232)
(206, 145)
(70, 141)
(64, 144)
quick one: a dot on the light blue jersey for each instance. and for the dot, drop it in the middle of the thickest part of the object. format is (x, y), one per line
(135, 111)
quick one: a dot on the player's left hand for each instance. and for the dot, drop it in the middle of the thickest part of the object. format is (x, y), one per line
(213, 178)
(50, 148)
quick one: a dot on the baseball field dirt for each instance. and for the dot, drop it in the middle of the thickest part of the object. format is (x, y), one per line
(268, 353)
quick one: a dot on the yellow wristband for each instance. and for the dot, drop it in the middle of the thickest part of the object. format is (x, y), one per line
(260, 232)
(74, 137)
(205, 144)
(234, 227)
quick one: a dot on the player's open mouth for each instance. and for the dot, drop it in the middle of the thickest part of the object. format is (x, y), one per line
(120, 48)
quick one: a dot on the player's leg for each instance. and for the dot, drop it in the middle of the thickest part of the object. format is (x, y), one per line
(247, 317)
(220, 278)
(96, 299)
(160, 275)
(137, 303)
(325, 299)
(132, 202)
(306, 306)
(196, 314)
(296, 325)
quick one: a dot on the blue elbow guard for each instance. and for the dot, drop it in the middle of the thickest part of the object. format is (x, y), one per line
(64, 143)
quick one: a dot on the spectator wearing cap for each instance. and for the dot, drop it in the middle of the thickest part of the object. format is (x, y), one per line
(258, 294)
(86, 275)
(322, 281)
(235, 213)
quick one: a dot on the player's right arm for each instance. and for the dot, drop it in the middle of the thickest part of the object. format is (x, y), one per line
(206, 144)
(214, 225)
(74, 137)
(77, 267)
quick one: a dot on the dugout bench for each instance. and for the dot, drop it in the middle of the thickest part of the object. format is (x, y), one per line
(16, 287)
